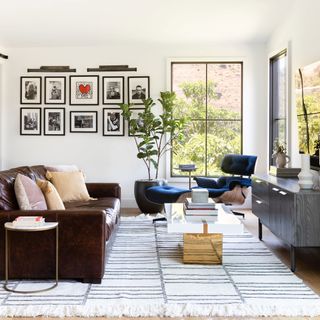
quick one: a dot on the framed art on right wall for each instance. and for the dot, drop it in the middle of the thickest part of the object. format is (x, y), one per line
(138, 89)
(307, 88)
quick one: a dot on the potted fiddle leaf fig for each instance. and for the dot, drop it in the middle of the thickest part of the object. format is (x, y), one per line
(153, 136)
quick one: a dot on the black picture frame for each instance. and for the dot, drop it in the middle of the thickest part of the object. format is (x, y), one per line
(63, 91)
(29, 131)
(62, 124)
(134, 82)
(112, 101)
(135, 111)
(26, 81)
(75, 100)
(105, 123)
(83, 130)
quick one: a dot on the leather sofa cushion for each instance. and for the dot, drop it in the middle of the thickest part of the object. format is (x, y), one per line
(110, 205)
(101, 203)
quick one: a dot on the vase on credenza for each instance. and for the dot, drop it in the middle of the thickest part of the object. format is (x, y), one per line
(281, 159)
(305, 176)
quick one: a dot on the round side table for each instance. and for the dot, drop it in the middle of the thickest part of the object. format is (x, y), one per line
(47, 226)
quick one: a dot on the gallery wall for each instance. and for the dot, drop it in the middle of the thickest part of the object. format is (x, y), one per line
(113, 158)
(300, 33)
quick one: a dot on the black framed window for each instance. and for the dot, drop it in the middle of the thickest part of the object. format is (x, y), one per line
(278, 100)
(210, 95)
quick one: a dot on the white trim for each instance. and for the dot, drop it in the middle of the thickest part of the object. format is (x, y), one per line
(168, 86)
(286, 47)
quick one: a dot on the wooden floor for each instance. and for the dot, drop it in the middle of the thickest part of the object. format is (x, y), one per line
(308, 268)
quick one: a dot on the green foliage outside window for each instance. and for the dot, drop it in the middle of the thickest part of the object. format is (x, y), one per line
(312, 103)
(211, 132)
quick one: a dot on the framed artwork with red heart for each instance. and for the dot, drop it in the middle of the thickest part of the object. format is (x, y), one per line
(84, 90)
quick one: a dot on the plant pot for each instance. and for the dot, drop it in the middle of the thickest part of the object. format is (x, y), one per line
(144, 204)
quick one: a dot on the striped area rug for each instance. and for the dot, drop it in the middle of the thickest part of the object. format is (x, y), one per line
(145, 276)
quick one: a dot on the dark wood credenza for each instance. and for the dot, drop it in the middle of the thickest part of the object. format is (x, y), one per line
(293, 215)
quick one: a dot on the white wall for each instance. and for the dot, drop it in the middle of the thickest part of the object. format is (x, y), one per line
(3, 63)
(113, 158)
(301, 30)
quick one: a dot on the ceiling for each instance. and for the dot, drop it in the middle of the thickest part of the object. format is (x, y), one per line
(30, 23)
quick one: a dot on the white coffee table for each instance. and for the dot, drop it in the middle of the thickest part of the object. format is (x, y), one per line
(202, 235)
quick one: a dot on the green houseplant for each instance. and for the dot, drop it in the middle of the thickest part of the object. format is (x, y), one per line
(153, 136)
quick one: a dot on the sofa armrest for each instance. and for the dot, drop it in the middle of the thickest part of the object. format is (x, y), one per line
(81, 241)
(101, 190)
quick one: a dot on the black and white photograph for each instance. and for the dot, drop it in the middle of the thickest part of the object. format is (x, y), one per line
(30, 90)
(138, 89)
(84, 90)
(113, 122)
(83, 121)
(54, 121)
(55, 90)
(134, 115)
(30, 121)
(113, 90)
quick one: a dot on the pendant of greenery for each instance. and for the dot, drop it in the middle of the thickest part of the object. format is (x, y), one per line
(153, 135)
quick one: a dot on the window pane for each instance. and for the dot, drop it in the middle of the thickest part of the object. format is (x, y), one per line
(224, 91)
(279, 129)
(223, 137)
(278, 101)
(207, 92)
(191, 150)
(189, 83)
(279, 96)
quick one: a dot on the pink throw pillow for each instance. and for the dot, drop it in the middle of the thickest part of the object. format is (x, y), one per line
(28, 194)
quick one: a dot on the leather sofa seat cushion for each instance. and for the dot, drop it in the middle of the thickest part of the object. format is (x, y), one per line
(101, 203)
(111, 206)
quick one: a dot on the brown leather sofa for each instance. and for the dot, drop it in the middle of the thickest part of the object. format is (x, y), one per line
(86, 229)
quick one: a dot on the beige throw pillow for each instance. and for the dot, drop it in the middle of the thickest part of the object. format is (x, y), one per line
(71, 186)
(51, 195)
(28, 194)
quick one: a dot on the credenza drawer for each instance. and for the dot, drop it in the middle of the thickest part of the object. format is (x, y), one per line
(260, 189)
(261, 209)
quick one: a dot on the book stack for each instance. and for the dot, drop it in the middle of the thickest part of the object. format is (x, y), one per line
(284, 172)
(200, 208)
(28, 221)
